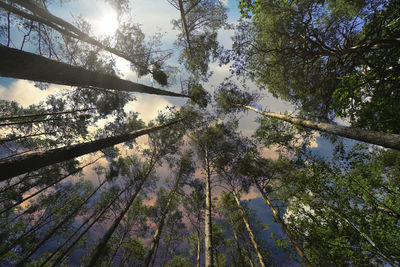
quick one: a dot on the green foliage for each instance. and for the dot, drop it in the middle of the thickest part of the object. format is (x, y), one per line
(347, 208)
(198, 95)
(160, 76)
(327, 57)
(203, 18)
(368, 96)
(228, 96)
(180, 261)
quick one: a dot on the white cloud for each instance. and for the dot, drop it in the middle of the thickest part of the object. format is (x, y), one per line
(25, 93)
(225, 2)
(148, 106)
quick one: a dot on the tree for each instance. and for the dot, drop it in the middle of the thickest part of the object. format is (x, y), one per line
(184, 170)
(207, 142)
(24, 65)
(129, 37)
(325, 57)
(37, 160)
(326, 201)
(199, 23)
(194, 206)
(226, 96)
(264, 173)
(162, 144)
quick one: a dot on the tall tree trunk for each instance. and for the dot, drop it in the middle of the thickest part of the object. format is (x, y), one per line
(25, 116)
(42, 15)
(236, 237)
(97, 218)
(31, 121)
(57, 227)
(284, 227)
(23, 65)
(30, 162)
(157, 234)
(378, 138)
(166, 252)
(25, 136)
(48, 186)
(101, 246)
(209, 259)
(121, 241)
(198, 249)
(41, 223)
(184, 24)
(248, 228)
(154, 255)
(249, 256)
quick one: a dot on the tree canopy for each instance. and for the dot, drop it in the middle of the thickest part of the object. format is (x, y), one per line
(120, 146)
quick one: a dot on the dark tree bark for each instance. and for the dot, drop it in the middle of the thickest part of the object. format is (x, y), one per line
(23, 65)
(26, 116)
(25, 163)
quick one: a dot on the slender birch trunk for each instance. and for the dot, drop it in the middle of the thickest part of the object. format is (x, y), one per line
(373, 137)
(101, 246)
(198, 249)
(154, 255)
(235, 235)
(184, 24)
(366, 237)
(23, 65)
(248, 228)
(209, 259)
(157, 234)
(284, 227)
(30, 162)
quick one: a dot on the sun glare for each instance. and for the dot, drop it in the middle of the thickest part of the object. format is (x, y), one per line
(107, 22)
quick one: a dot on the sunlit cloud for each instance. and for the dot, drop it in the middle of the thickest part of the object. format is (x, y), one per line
(25, 93)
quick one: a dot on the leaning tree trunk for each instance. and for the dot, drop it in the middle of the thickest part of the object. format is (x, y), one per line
(23, 65)
(43, 16)
(25, 116)
(57, 227)
(82, 233)
(26, 163)
(157, 234)
(248, 228)
(154, 255)
(198, 249)
(284, 227)
(236, 237)
(378, 138)
(184, 24)
(209, 259)
(46, 187)
(101, 246)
